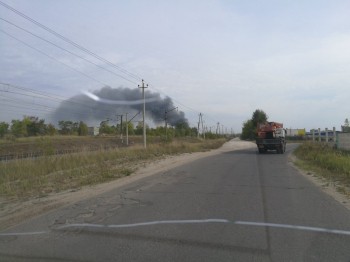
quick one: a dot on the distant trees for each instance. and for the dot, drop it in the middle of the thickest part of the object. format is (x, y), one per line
(34, 126)
(4, 128)
(105, 128)
(249, 126)
(83, 129)
(68, 127)
(18, 128)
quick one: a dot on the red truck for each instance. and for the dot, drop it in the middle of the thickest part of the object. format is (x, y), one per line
(271, 136)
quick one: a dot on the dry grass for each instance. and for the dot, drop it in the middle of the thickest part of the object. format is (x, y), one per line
(327, 162)
(39, 176)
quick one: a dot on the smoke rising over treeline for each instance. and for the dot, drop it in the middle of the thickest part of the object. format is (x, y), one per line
(84, 108)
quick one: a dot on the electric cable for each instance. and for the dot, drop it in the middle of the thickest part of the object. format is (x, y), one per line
(66, 50)
(69, 41)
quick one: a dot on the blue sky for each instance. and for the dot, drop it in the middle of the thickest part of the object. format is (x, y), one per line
(221, 58)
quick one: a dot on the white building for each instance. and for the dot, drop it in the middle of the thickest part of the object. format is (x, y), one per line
(93, 131)
(295, 132)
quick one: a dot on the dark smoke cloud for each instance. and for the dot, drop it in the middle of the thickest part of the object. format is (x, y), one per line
(83, 108)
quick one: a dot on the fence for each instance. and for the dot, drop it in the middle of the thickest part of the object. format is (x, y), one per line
(343, 141)
(335, 138)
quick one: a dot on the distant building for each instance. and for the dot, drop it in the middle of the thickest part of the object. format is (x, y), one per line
(295, 132)
(93, 131)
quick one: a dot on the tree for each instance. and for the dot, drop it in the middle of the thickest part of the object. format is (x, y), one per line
(248, 130)
(105, 128)
(259, 117)
(83, 129)
(34, 125)
(249, 126)
(130, 128)
(4, 128)
(182, 129)
(51, 130)
(139, 128)
(18, 128)
(68, 127)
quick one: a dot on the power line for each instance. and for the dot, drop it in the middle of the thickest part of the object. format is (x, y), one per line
(51, 57)
(136, 77)
(66, 50)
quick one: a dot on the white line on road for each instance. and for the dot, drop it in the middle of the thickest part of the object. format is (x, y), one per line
(199, 221)
(305, 228)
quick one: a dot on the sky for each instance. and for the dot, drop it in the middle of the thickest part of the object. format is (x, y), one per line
(223, 58)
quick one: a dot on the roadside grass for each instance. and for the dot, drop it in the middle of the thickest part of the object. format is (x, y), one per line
(326, 162)
(36, 177)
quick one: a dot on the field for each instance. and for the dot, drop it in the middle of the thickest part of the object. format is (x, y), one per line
(331, 164)
(47, 145)
(81, 161)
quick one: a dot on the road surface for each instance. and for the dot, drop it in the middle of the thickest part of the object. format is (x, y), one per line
(237, 205)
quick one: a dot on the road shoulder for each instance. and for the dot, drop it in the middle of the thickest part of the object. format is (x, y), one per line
(323, 184)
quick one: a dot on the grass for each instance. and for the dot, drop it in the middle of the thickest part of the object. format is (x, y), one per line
(327, 162)
(40, 176)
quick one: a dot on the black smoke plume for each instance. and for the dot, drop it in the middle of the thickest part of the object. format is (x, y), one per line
(84, 108)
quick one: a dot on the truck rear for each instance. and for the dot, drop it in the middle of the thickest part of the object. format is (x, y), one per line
(271, 136)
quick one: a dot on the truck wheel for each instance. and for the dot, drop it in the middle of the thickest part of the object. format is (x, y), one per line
(280, 150)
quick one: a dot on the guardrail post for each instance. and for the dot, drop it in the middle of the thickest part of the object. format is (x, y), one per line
(335, 139)
(319, 134)
(326, 135)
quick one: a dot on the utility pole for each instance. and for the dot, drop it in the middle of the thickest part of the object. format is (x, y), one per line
(127, 129)
(200, 125)
(218, 128)
(143, 111)
(199, 121)
(121, 127)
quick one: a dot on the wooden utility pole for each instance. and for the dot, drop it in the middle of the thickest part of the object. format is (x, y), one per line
(127, 129)
(200, 124)
(143, 111)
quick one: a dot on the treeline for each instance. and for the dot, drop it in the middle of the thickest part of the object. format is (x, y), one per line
(33, 126)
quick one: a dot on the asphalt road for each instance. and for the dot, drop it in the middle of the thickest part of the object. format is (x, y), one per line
(234, 206)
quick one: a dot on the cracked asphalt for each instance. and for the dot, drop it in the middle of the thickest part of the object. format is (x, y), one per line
(196, 209)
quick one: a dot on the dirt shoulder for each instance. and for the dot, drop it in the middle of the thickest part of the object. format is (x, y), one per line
(13, 212)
